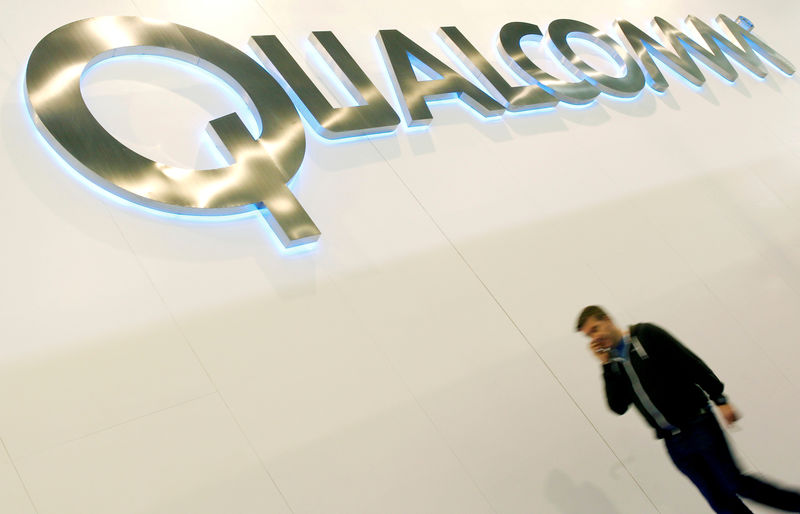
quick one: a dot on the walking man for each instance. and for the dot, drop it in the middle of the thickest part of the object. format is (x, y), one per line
(671, 387)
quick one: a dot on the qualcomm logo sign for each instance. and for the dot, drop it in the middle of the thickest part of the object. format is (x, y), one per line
(261, 167)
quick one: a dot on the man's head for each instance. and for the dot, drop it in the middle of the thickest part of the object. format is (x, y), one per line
(597, 325)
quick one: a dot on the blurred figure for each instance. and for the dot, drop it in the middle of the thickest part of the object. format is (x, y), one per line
(670, 386)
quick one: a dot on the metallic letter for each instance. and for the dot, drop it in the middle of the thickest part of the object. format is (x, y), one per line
(517, 98)
(510, 47)
(263, 165)
(626, 86)
(413, 94)
(371, 116)
(715, 59)
(641, 46)
(746, 55)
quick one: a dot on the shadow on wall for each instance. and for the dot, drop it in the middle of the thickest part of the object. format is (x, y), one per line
(572, 498)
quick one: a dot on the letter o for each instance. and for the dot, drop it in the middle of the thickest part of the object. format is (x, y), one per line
(629, 85)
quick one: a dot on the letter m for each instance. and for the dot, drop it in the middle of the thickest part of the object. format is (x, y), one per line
(644, 48)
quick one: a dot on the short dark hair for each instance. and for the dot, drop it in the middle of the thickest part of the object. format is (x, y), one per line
(592, 311)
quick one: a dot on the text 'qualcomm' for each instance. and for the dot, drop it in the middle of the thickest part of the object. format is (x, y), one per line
(260, 167)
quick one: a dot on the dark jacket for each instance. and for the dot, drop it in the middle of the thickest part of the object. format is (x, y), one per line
(676, 381)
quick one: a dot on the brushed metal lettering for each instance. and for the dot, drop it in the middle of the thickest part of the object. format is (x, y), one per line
(626, 86)
(413, 94)
(263, 165)
(643, 48)
(373, 114)
(516, 98)
(743, 33)
(713, 58)
(719, 45)
(509, 45)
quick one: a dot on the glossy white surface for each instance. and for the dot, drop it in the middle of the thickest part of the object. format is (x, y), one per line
(421, 358)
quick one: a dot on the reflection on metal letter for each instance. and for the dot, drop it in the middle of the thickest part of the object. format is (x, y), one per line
(510, 46)
(746, 56)
(717, 44)
(262, 166)
(414, 94)
(373, 114)
(644, 48)
(626, 86)
(517, 98)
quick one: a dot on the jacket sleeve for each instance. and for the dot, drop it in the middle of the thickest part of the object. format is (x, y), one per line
(686, 362)
(618, 391)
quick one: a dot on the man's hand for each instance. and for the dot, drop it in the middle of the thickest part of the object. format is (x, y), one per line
(600, 351)
(728, 414)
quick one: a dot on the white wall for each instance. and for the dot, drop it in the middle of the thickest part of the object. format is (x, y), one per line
(421, 359)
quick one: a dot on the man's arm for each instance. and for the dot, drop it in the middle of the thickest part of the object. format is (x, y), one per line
(618, 391)
(687, 362)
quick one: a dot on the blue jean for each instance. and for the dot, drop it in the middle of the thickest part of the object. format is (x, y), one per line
(701, 452)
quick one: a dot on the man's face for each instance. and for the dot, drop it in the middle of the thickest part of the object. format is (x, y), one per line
(601, 331)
